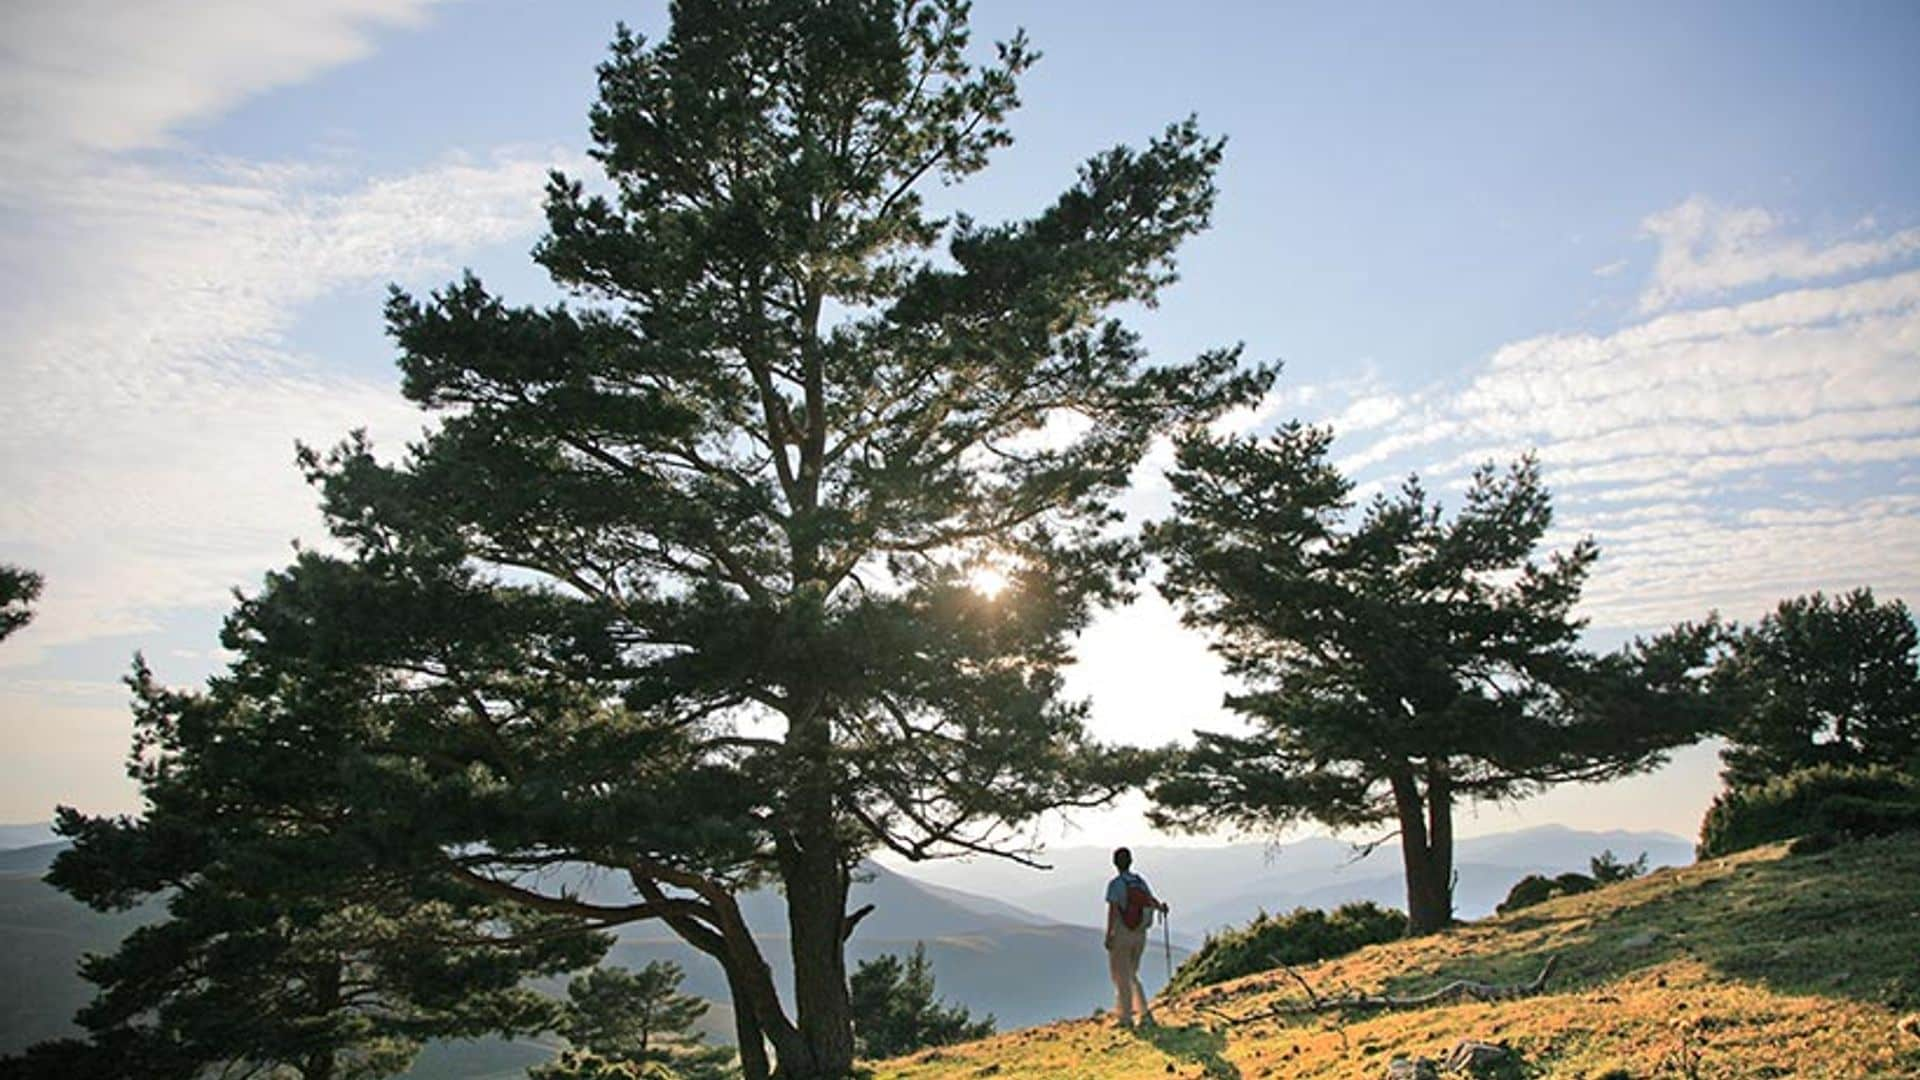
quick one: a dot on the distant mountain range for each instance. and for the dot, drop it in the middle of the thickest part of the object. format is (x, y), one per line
(1214, 887)
(19, 836)
(43, 935)
(1019, 943)
(987, 954)
(36, 859)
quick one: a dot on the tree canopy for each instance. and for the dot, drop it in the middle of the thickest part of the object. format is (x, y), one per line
(1821, 681)
(678, 587)
(283, 951)
(1396, 659)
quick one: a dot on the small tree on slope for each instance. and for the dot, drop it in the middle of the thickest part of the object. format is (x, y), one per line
(1821, 681)
(619, 1022)
(1397, 660)
(895, 1011)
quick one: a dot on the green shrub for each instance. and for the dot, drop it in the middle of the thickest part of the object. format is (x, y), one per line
(1535, 888)
(1872, 801)
(1528, 891)
(1854, 815)
(1302, 937)
(1812, 843)
(1573, 883)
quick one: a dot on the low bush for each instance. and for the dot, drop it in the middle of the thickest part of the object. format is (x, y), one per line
(1528, 891)
(1304, 936)
(1606, 868)
(1825, 799)
(1855, 816)
(1536, 888)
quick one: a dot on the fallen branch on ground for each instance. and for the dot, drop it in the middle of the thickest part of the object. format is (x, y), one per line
(1457, 990)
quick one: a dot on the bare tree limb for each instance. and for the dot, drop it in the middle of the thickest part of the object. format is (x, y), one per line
(1457, 990)
(853, 920)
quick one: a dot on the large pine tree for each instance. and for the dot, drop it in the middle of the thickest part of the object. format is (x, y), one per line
(679, 588)
(1397, 659)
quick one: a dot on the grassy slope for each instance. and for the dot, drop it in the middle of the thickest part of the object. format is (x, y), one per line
(1755, 965)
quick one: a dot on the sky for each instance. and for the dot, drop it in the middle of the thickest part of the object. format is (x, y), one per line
(1673, 249)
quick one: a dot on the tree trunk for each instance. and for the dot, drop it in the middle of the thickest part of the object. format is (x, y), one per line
(757, 1015)
(814, 867)
(1440, 839)
(816, 908)
(1426, 847)
(325, 988)
(746, 1027)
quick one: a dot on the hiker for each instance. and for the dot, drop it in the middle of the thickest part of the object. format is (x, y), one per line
(1130, 907)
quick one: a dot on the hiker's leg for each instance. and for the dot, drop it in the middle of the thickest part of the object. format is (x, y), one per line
(1122, 979)
(1133, 977)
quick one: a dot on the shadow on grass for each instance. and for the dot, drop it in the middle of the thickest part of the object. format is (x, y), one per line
(1195, 1044)
(1838, 924)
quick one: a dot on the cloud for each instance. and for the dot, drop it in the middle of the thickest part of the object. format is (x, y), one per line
(1707, 249)
(147, 445)
(154, 399)
(94, 76)
(1724, 457)
(1698, 558)
(1801, 376)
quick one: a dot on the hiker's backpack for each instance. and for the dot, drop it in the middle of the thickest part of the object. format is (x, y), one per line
(1133, 913)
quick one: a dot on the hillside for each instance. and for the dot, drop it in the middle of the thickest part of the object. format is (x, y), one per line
(27, 834)
(34, 860)
(991, 951)
(1755, 965)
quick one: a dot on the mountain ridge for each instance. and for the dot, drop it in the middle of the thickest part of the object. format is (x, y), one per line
(1228, 885)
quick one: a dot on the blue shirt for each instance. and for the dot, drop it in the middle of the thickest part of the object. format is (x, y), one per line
(1117, 893)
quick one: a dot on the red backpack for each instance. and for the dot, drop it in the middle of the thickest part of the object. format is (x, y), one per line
(1134, 912)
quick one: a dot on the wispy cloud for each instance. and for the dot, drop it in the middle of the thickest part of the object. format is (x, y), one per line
(106, 76)
(1707, 249)
(153, 395)
(1724, 456)
(147, 445)
(1694, 558)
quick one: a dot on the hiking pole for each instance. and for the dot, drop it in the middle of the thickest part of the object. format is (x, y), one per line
(1166, 939)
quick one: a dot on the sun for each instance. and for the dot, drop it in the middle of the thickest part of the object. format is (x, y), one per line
(988, 580)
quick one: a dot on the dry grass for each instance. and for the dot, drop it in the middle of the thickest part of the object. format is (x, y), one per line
(1755, 965)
